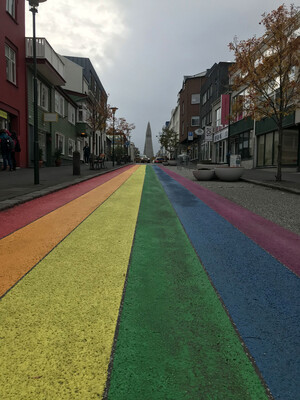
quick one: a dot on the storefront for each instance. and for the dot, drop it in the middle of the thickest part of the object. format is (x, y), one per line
(220, 146)
(241, 141)
(267, 148)
(267, 142)
(3, 119)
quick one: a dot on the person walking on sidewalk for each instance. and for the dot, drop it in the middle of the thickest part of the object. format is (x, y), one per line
(17, 149)
(86, 153)
(7, 146)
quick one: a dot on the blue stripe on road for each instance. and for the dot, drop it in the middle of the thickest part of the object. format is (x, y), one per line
(261, 295)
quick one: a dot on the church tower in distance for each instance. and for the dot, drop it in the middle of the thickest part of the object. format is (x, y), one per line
(148, 149)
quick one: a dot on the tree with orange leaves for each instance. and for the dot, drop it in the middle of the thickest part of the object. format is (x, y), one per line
(268, 67)
(122, 129)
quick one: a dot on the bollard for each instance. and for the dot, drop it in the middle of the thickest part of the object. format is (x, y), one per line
(76, 163)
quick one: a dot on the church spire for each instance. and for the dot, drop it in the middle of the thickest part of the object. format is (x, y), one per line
(148, 149)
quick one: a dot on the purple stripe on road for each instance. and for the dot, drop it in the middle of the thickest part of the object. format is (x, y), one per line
(282, 244)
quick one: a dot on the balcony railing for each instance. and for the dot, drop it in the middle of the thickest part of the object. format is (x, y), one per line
(45, 51)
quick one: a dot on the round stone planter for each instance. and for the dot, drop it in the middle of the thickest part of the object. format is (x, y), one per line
(229, 173)
(172, 162)
(165, 163)
(204, 174)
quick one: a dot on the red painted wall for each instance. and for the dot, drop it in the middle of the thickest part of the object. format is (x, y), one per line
(13, 97)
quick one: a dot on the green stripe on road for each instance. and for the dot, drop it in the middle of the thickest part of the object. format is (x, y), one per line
(57, 324)
(175, 340)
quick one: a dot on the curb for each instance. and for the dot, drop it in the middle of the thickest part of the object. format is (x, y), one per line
(15, 201)
(272, 186)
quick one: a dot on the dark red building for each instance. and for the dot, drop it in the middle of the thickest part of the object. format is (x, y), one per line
(13, 104)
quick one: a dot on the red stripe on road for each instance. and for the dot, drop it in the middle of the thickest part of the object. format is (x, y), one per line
(23, 214)
(281, 243)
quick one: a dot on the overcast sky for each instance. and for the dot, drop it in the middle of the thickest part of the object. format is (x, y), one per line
(142, 49)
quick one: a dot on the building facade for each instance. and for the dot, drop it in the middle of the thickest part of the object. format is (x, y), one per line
(86, 89)
(189, 120)
(13, 103)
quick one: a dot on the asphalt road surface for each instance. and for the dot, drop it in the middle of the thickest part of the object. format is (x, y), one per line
(141, 284)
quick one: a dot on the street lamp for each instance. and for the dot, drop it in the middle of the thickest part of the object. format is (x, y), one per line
(113, 110)
(34, 4)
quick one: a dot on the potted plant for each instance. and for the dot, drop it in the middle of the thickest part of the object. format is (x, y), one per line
(57, 156)
(40, 157)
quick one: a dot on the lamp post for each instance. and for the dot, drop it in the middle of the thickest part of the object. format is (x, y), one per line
(113, 110)
(34, 4)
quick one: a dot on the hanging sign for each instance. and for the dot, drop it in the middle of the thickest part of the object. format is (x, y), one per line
(208, 133)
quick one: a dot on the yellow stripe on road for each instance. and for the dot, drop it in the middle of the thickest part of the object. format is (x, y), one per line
(58, 323)
(21, 250)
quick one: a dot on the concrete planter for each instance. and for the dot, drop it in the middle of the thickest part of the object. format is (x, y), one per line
(204, 174)
(172, 162)
(165, 163)
(229, 173)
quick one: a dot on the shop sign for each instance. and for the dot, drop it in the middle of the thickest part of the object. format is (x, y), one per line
(221, 135)
(208, 134)
(3, 114)
(50, 117)
(190, 136)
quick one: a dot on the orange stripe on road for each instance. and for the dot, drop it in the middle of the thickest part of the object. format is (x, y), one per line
(23, 249)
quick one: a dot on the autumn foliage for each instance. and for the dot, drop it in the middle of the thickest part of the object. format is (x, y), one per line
(266, 70)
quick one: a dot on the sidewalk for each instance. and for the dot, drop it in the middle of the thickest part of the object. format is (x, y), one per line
(18, 186)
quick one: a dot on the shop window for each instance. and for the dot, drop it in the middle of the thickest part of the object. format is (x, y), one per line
(290, 147)
(10, 56)
(269, 149)
(260, 150)
(276, 148)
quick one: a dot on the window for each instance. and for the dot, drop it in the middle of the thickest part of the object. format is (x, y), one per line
(43, 95)
(195, 121)
(82, 113)
(71, 147)
(71, 114)
(10, 56)
(11, 7)
(242, 145)
(218, 116)
(59, 104)
(204, 98)
(195, 98)
(60, 142)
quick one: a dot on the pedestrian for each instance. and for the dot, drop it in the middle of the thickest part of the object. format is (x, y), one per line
(86, 153)
(7, 146)
(17, 149)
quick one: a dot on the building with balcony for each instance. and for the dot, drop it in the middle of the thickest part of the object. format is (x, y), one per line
(86, 89)
(13, 103)
(56, 110)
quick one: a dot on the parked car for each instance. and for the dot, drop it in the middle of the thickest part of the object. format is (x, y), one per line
(159, 159)
(144, 158)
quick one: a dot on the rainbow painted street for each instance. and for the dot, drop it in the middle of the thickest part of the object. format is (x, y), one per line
(142, 285)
